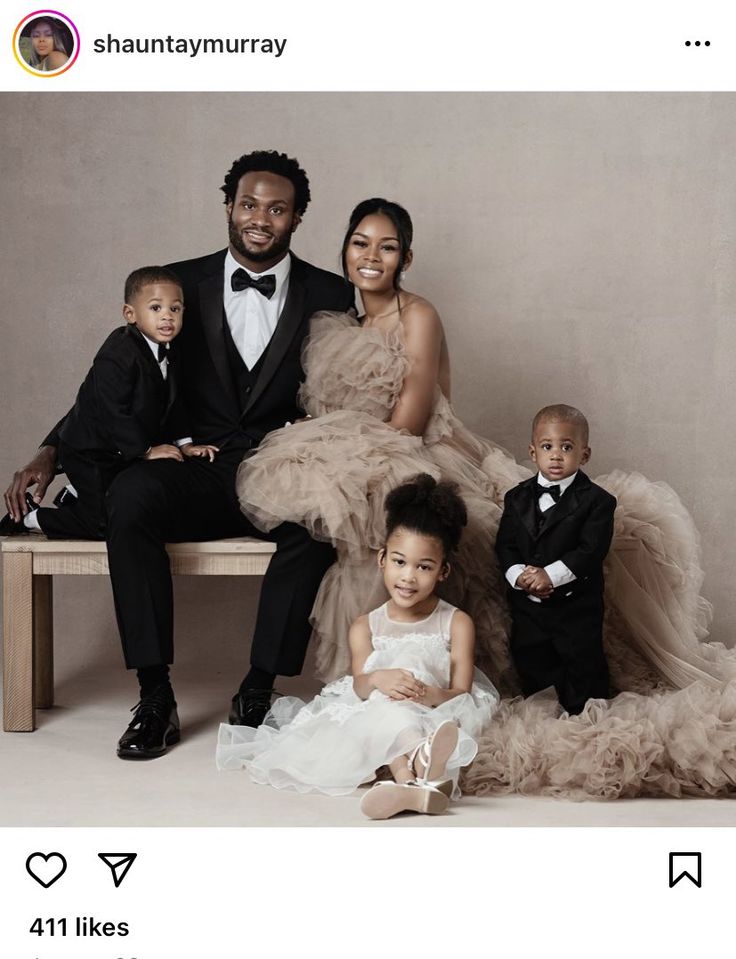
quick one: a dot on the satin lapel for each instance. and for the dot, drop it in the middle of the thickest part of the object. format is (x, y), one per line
(527, 508)
(171, 385)
(211, 312)
(150, 366)
(286, 329)
(568, 502)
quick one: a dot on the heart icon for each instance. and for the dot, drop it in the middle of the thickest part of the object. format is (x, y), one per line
(46, 868)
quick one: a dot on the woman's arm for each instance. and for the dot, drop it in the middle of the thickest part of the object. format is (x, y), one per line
(394, 683)
(462, 649)
(423, 336)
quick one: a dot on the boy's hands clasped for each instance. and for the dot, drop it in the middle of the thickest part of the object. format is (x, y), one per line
(535, 580)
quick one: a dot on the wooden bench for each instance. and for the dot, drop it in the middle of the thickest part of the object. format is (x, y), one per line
(30, 562)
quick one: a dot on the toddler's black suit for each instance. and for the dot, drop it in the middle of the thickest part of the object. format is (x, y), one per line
(123, 407)
(558, 641)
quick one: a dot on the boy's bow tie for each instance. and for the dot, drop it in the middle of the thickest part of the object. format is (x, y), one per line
(163, 352)
(553, 491)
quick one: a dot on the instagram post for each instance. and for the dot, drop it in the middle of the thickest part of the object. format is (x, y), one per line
(365, 472)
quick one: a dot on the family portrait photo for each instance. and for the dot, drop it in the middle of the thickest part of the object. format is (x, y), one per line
(366, 458)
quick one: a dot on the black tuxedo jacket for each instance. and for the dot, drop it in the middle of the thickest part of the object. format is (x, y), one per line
(124, 406)
(214, 413)
(578, 531)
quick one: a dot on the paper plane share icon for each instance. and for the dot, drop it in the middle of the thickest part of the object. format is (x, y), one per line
(119, 863)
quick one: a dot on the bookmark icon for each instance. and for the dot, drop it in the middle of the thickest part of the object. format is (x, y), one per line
(119, 864)
(686, 865)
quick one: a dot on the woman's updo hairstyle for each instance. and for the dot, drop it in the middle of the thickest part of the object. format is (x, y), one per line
(398, 216)
(424, 506)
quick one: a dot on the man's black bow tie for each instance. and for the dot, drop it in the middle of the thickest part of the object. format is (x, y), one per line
(554, 491)
(266, 285)
(163, 352)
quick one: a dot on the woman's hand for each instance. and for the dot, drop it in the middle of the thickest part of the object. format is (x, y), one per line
(397, 683)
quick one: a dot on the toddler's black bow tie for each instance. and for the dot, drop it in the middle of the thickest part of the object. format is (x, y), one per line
(266, 285)
(163, 352)
(554, 491)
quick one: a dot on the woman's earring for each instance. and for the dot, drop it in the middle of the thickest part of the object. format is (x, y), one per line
(402, 276)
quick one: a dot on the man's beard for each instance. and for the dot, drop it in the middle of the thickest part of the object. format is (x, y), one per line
(274, 251)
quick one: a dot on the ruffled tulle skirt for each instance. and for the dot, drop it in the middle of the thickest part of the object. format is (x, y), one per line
(337, 741)
(667, 743)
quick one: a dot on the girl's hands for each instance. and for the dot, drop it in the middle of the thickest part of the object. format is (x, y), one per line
(432, 696)
(398, 684)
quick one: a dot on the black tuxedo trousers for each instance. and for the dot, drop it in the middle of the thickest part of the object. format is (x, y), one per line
(153, 503)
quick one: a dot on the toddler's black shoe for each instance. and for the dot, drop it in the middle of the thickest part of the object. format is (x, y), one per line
(9, 527)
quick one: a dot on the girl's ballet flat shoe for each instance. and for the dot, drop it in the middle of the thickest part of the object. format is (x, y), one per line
(387, 799)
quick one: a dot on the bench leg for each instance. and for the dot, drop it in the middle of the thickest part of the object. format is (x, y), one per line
(18, 712)
(43, 641)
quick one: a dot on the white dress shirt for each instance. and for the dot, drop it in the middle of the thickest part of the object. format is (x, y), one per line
(164, 364)
(252, 317)
(558, 573)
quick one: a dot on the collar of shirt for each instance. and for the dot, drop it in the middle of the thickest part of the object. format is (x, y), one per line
(154, 347)
(563, 484)
(281, 271)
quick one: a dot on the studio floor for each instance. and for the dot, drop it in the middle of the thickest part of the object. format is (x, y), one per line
(67, 774)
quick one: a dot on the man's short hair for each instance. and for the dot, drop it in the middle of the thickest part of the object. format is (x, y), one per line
(269, 161)
(147, 275)
(562, 413)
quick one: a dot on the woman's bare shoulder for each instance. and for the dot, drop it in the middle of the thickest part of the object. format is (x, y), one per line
(416, 312)
(56, 59)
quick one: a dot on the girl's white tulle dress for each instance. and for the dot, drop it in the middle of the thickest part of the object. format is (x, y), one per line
(339, 741)
(672, 730)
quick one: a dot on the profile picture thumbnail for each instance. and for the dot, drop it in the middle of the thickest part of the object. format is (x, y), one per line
(46, 43)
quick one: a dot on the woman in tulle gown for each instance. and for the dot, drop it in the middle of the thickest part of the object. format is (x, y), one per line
(413, 700)
(377, 395)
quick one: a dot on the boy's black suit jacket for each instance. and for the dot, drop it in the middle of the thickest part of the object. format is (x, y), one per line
(124, 406)
(578, 531)
(214, 412)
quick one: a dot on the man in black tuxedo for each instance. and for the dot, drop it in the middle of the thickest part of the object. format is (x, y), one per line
(554, 534)
(247, 313)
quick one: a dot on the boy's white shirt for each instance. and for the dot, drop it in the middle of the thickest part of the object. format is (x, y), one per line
(558, 573)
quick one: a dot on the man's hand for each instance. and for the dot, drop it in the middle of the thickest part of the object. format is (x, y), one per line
(398, 684)
(164, 452)
(41, 470)
(197, 449)
(535, 580)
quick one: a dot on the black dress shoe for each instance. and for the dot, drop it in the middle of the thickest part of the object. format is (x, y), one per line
(9, 527)
(249, 707)
(155, 726)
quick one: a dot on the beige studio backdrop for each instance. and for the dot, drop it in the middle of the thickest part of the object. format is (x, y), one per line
(579, 248)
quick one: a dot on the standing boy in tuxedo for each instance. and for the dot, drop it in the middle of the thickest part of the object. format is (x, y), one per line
(125, 411)
(553, 537)
(248, 311)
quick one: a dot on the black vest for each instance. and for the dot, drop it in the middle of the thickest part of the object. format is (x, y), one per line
(243, 379)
